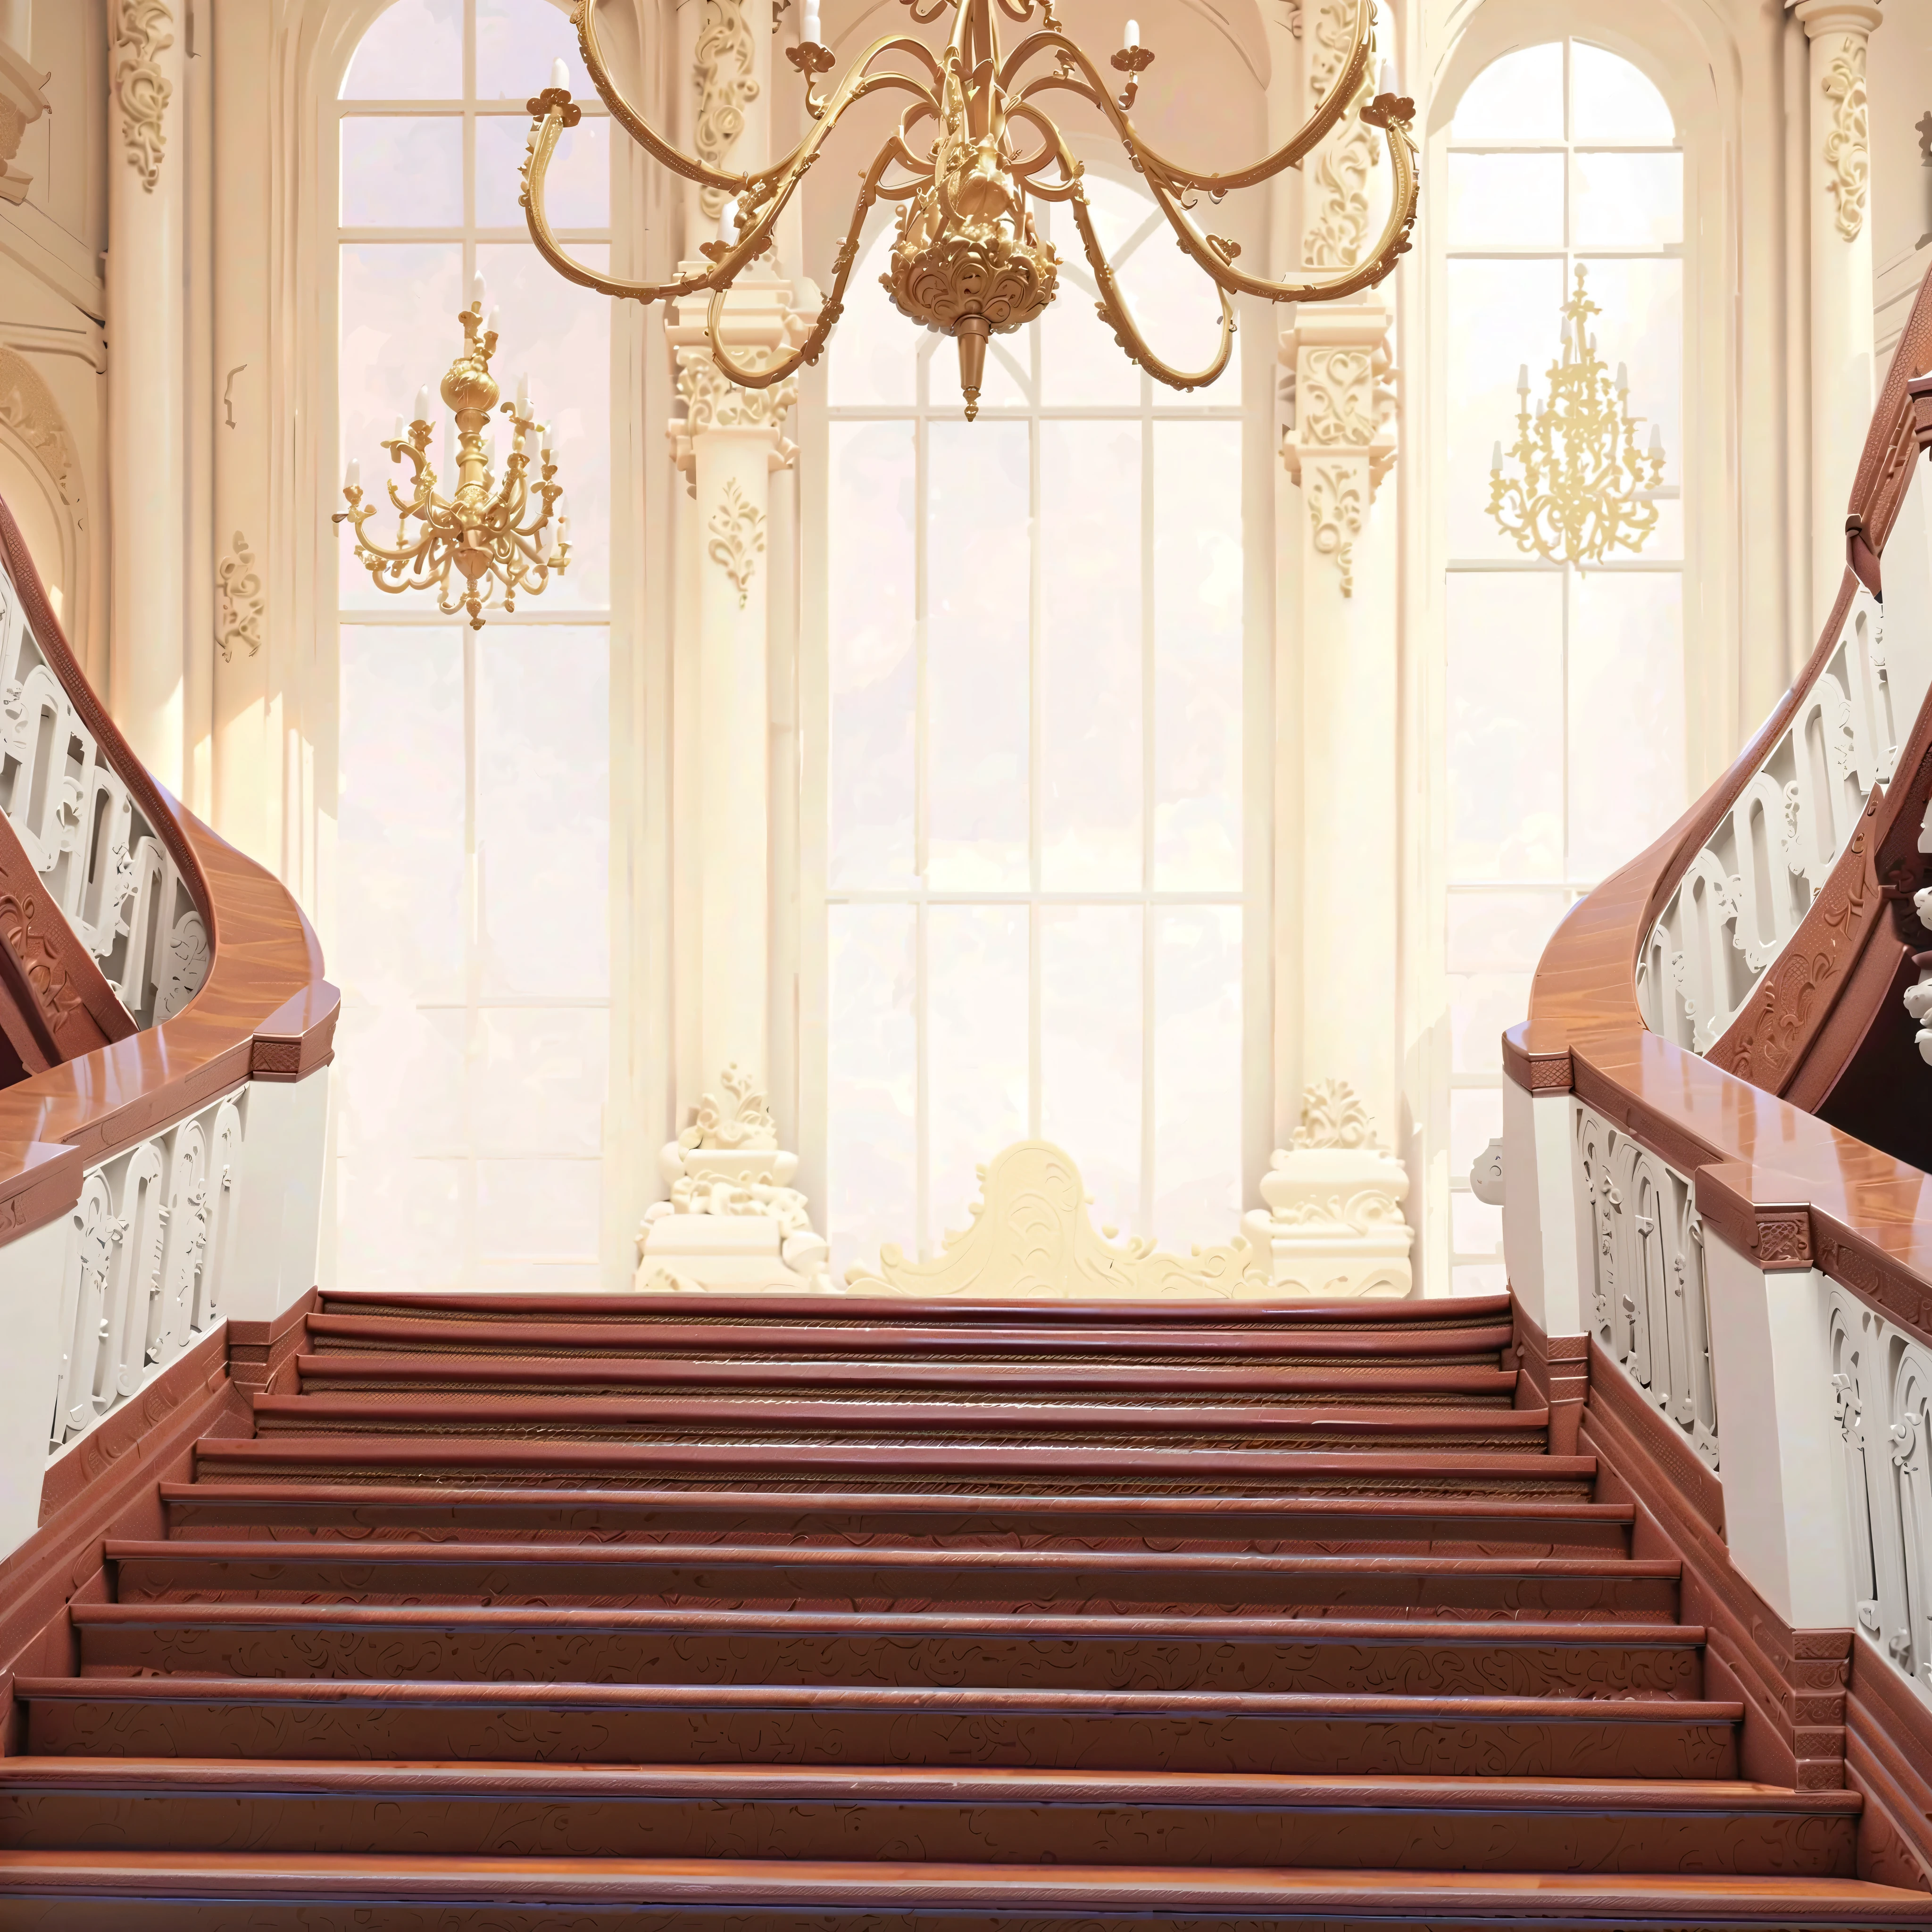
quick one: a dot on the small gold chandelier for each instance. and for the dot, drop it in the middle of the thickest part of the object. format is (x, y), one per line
(1576, 503)
(973, 147)
(479, 534)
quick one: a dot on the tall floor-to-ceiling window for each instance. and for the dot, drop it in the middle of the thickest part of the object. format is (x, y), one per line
(1564, 684)
(1035, 893)
(470, 937)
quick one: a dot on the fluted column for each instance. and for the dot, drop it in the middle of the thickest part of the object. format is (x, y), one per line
(1839, 170)
(146, 324)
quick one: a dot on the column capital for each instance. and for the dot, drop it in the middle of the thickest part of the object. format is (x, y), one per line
(759, 324)
(1836, 16)
(23, 100)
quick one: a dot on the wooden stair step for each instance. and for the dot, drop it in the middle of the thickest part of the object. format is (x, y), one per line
(276, 1892)
(1101, 1730)
(342, 1371)
(1369, 1525)
(504, 1644)
(754, 1419)
(802, 1574)
(1339, 1350)
(996, 1816)
(1196, 1470)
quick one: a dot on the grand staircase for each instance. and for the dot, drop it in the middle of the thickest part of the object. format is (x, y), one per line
(742, 1615)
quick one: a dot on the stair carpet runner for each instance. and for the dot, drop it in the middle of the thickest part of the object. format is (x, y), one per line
(757, 1615)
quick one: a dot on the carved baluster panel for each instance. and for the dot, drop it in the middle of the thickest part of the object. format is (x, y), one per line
(185, 1252)
(1590, 1143)
(1854, 1331)
(1907, 1630)
(140, 1202)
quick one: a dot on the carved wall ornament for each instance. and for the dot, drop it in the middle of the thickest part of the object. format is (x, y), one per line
(712, 400)
(1032, 1237)
(737, 529)
(140, 34)
(237, 586)
(742, 1119)
(1335, 492)
(22, 101)
(721, 69)
(1343, 441)
(1337, 234)
(28, 408)
(1848, 144)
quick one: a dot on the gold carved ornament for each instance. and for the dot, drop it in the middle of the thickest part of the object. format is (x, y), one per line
(509, 531)
(1581, 487)
(974, 147)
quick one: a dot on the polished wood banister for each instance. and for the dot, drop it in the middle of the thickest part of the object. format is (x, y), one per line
(265, 1010)
(1867, 1217)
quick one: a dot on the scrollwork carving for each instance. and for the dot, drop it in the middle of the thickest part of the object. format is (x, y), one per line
(1848, 144)
(722, 68)
(737, 531)
(142, 91)
(1338, 227)
(27, 408)
(1335, 492)
(237, 586)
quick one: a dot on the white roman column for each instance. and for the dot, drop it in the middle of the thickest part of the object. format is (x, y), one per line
(146, 370)
(1838, 144)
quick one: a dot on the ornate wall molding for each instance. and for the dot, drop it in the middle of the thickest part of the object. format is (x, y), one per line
(142, 91)
(712, 400)
(1337, 230)
(737, 530)
(722, 69)
(240, 601)
(1336, 508)
(1848, 145)
(28, 409)
(1032, 1237)
(1343, 443)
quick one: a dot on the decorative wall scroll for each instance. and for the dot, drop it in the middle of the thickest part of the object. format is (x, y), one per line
(1343, 440)
(1031, 1237)
(722, 69)
(712, 401)
(28, 409)
(1848, 144)
(238, 590)
(1335, 511)
(140, 33)
(1650, 1308)
(1337, 234)
(147, 1247)
(737, 532)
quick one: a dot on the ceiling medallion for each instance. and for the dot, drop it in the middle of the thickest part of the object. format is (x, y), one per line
(974, 149)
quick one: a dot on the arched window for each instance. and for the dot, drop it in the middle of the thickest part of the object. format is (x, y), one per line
(1035, 885)
(1564, 685)
(471, 938)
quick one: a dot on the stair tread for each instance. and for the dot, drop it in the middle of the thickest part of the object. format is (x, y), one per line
(971, 1784)
(837, 1884)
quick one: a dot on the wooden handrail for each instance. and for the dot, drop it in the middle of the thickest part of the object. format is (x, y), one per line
(265, 1011)
(1769, 1174)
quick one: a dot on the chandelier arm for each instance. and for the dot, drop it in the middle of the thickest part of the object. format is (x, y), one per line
(1113, 308)
(830, 309)
(1298, 147)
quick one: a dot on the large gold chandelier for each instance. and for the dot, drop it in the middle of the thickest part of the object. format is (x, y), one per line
(973, 147)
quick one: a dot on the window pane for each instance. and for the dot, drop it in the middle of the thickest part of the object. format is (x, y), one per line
(1517, 98)
(1627, 757)
(978, 656)
(543, 809)
(1482, 1007)
(1475, 1119)
(1504, 317)
(1628, 201)
(1091, 1020)
(398, 173)
(1642, 325)
(871, 1134)
(1081, 362)
(1505, 200)
(516, 42)
(1505, 725)
(1494, 931)
(577, 190)
(1178, 313)
(398, 302)
(1610, 101)
(1475, 1228)
(1197, 1075)
(1092, 656)
(1197, 602)
(873, 354)
(873, 669)
(541, 1076)
(976, 1051)
(413, 52)
(536, 1223)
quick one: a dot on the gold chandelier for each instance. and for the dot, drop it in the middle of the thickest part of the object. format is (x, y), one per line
(1582, 490)
(974, 146)
(479, 536)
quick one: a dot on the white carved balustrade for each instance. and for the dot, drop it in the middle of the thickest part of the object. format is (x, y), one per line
(104, 864)
(1744, 893)
(148, 1244)
(1644, 1277)
(1882, 1383)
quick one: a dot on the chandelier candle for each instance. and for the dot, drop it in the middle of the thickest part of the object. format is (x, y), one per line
(974, 149)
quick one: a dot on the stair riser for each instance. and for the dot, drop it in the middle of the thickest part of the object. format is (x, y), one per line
(1500, 1840)
(1381, 1669)
(1330, 1745)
